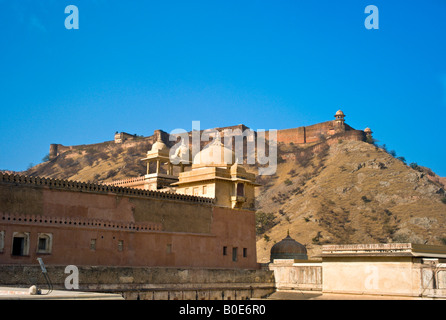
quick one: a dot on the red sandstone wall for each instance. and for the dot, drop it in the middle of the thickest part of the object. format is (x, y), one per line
(315, 131)
(71, 244)
(305, 134)
(354, 135)
(296, 135)
(235, 228)
(154, 231)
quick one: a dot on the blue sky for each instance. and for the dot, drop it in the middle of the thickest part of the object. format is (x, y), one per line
(137, 66)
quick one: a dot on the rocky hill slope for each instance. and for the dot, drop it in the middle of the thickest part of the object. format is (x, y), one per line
(348, 192)
(102, 162)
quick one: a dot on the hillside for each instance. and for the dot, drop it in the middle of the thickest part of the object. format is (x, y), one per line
(102, 162)
(349, 192)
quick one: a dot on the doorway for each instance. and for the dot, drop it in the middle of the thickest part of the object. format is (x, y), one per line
(18, 246)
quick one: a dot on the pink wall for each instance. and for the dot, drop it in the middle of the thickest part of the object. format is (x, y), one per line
(156, 230)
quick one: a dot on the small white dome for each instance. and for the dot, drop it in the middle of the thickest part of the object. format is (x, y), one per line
(159, 146)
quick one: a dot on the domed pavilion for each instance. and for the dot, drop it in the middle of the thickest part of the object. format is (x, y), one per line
(215, 173)
(288, 248)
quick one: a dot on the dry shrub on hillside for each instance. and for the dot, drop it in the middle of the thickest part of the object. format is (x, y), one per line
(264, 222)
(303, 157)
(336, 221)
(117, 151)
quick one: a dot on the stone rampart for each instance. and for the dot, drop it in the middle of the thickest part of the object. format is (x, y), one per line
(151, 283)
(70, 185)
(314, 133)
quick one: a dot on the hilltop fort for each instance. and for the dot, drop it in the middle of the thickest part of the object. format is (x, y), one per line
(305, 135)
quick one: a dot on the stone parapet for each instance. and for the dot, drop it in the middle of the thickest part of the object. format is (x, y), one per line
(291, 274)
(98, 188)
(128, 181)
(147, 283)
(384, 249)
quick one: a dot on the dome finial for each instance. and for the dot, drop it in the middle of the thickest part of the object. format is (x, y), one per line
(217, 138)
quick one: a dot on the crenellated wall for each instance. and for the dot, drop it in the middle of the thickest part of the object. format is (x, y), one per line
(301, 135)
(70, 185)
(314, 133)
(126, 227)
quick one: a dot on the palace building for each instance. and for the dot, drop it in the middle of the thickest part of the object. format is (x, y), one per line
(200, 218)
